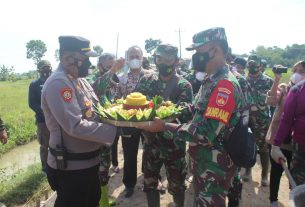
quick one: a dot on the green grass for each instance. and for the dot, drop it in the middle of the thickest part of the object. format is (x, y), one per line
(25, 184)
(16, 114)
(285, 76)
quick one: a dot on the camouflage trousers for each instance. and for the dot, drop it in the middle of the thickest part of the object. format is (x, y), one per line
(235, 191)
(298, 163)
(213, 172)
(171, 153)
(105, 161)
(259, 127)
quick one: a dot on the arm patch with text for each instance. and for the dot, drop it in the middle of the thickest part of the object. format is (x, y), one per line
(221, 103)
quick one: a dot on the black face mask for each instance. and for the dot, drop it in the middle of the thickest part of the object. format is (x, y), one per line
(165, 70)
(200, 61)
(253, 69)
(83, 69)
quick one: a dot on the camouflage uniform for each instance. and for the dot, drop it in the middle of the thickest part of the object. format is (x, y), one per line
(298, 163)
(259, 111)
(191, 77)
(244, 85)
(234, 193)
(215, 112)
(213, 169)
(105, 92)
(93, 77)
(158, 148)
(259, 115)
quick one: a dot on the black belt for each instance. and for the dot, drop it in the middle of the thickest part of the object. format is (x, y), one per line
(78, 156)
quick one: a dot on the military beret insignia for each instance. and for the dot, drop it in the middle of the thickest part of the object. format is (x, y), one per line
(66, 94)
(221, 103)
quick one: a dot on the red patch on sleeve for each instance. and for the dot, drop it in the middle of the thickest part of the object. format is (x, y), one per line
(221, 103)
(66, 93)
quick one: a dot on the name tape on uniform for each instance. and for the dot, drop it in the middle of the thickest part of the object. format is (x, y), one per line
(221, 103)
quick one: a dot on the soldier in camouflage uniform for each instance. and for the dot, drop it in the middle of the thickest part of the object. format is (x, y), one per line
(240, 65)
(195, 78)
(104, 90)
(260, 118)
(215, 112)
(105, 93)
(234, 194)
(3, 133)
(159, 149)
(263, 65)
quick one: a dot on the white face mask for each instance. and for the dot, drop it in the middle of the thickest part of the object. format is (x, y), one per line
(234, 69)
(297, 77)
(200, 76)
(134, 64)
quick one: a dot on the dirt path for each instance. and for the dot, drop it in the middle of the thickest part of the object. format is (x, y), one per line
(253, 194)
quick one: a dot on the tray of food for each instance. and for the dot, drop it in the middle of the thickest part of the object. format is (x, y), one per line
(137, 111)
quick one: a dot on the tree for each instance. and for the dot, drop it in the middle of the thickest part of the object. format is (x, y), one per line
(56, 55)
(98, 49)
(6, 72)
(31, 74)
(151, 44)
(35, 50)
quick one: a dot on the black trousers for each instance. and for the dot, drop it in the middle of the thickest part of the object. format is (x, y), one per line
(276, 174)
(130, 143)
(75, 188)
(114, 152)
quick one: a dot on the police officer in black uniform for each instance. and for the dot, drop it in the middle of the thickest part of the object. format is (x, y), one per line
(44, 69)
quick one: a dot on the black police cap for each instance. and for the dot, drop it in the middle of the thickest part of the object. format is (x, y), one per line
(76, 44)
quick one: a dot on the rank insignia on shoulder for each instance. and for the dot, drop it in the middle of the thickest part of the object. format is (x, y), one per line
(66, 93)
(221, 103)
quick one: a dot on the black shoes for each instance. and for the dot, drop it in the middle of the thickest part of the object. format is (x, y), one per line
(128, 192)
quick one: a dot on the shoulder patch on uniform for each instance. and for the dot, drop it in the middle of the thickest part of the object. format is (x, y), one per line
(66, 93)
(221, 103)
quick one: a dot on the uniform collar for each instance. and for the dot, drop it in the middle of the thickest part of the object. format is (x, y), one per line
(215, 76)
(61, 68)
(130, 73)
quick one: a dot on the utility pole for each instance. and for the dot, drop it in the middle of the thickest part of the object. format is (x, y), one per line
(179, 33)
(117, 46)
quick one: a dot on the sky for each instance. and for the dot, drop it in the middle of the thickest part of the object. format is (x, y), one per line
(247, 24)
